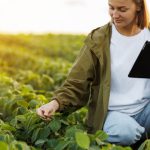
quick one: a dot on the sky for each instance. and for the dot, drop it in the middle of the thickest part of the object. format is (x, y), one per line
(56, 16)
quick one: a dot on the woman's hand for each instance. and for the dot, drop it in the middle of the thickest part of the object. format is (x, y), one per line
(47, 110)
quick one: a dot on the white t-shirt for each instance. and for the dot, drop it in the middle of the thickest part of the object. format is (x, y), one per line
(127, 95)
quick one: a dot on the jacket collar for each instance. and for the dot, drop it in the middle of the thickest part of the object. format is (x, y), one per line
(99, 38)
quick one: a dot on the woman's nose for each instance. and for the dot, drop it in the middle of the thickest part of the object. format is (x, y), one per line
(115, 14)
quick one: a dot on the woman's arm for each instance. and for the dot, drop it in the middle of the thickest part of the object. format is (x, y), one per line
(75, 91)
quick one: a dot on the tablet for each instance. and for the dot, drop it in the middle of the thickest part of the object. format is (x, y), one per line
(141, 67)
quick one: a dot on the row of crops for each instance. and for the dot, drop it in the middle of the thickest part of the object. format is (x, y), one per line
(31, 68)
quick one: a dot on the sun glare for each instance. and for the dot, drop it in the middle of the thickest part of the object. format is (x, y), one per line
(75, 16)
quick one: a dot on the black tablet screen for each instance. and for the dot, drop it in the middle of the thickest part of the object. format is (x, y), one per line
(141, 67)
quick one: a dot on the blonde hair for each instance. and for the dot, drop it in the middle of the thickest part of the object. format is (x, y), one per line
(142, 14)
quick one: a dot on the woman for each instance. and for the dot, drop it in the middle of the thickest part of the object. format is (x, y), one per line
(116, 103)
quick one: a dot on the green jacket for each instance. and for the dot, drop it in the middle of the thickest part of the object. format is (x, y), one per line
(88, 82)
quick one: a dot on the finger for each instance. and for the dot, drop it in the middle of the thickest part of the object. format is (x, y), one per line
(48, 113)
(40, 112)
(46, 118)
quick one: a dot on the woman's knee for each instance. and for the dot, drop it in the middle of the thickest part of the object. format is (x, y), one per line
(125, 131)
(125, 135)
(128, 136)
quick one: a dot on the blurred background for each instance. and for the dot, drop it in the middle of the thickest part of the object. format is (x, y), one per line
(57, 16)
(39, 42)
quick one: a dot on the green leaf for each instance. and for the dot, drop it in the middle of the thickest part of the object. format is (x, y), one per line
(51, 143)
(82, 140)
(33, 103)
(23, 103)
(70, 132)
(35, 134)
(145, 145)
(22, 146)
(26, 89)
(55, 125)
(94, 147)
(7, 127)
(20, 118)
(99, 142)
(33, 127)
(116, 147)
(62, 145)
(44, 133)
(3, 146)
(101, 135)
(8, 137)
(40, 142)
(42, 98)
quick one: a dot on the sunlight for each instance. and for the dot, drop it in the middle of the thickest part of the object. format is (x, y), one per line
(65, 16)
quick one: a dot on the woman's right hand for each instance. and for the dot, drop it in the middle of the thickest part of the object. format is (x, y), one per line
(47, 110)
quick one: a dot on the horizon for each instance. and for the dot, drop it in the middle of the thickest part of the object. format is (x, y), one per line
(48, 16)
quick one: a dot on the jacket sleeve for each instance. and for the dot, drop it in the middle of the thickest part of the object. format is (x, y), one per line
(75, 91)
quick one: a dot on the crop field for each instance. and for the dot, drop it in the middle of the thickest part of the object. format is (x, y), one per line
(32, 67)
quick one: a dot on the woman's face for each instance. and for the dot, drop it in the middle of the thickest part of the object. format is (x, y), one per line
(123, 12)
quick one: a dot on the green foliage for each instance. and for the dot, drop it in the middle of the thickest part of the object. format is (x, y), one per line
(3, 146)
(145, 145)
(31, 68)
(82, 140)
